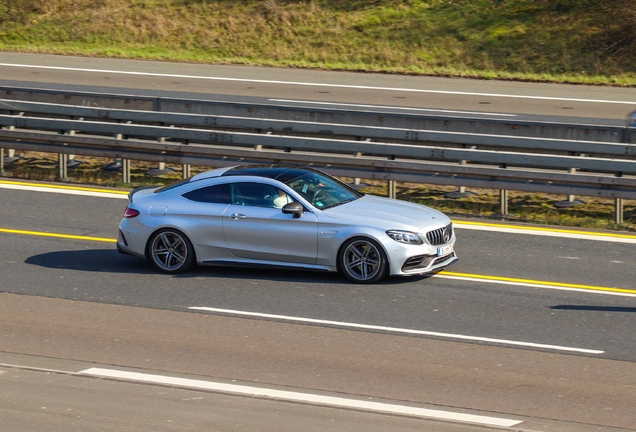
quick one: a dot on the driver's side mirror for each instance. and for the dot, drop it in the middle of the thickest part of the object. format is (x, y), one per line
(294, 208)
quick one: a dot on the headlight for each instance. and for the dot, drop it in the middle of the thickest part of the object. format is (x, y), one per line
(404, 237)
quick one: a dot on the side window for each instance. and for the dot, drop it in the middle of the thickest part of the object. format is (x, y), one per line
(218, 194)
(259, 195)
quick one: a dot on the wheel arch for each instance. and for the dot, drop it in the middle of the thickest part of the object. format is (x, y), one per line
(359, 235)
(168, 227)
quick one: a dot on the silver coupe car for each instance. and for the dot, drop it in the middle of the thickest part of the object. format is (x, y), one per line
(281, 216)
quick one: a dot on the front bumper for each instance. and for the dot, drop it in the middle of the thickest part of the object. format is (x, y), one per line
(407, 260)
(428, 263)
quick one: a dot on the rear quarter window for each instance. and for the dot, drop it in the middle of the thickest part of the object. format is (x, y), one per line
(217, 194)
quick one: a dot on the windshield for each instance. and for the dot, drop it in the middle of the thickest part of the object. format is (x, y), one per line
(322, 191)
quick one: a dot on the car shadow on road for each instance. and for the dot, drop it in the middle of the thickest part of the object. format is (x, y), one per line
(92, 260)
(111, 261)
(594, 308)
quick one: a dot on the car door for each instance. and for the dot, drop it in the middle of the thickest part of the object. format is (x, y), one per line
(201, 216)
(254, 228)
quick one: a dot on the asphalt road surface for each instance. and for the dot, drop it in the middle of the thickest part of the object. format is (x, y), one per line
(509, 349)
(447, 96)
(531, 330)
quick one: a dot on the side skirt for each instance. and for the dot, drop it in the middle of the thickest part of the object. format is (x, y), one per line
(267, 265)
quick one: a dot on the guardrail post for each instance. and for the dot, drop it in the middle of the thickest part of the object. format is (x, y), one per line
(187, 171)
(571, 201)
(461, 192)
(618, 207)
(503, 198)
(71, 162)
(125, 170)
(11, 157)
(392, 185)
(618, 211)
(63, 161)
(392, 189)
(503, 202)
(2, 172)
(186, 168)
(63, 168)
(357, 180)
(161, 166)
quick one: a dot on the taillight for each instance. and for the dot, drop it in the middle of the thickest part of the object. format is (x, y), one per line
(130, 213)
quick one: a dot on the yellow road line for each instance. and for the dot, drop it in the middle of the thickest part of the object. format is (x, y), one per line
(64, 187)
(544, 229)
(533, 282)
(58, 235)
(445, 273)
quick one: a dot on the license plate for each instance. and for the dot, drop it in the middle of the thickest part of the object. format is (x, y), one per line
(445, 250)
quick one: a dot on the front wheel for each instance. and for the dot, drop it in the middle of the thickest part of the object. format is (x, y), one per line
(362, 260)
(171, 251)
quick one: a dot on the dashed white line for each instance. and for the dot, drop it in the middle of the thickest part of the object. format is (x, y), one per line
(391, 107)
(395, 330)
(330, 401)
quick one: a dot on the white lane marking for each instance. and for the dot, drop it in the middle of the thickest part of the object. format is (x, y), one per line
(63, 191)
(331, 401)
(395, 330)
(547, 233)
(570, 258)
(391, 107)
(531, 285)
(308, 84)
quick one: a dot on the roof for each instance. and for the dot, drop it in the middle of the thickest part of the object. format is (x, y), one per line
(281, 173)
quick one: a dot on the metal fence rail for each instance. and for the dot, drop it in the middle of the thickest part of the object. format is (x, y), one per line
(371, 168)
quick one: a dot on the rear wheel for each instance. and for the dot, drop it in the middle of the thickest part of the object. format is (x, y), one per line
(171, 251)
(362, 260)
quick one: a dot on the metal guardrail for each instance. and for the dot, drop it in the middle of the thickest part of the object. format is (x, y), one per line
(415, 148)
(310, 144)
(332, 129)
(371, 168)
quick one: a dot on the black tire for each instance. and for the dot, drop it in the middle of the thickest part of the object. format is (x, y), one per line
(362, 260)
(171, 251)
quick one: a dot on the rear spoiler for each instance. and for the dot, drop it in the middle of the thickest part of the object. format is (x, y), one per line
(134, 191)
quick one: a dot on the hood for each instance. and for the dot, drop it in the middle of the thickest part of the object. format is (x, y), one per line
(387, 213)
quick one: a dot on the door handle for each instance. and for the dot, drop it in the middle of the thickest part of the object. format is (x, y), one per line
(237, 216)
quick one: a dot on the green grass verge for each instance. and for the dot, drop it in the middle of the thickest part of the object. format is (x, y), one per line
(583, 41)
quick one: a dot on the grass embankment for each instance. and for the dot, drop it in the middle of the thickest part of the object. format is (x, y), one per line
(523, 207)
(586, 41)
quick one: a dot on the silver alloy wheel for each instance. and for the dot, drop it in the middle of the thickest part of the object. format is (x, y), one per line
(169, 251)
(362, 260)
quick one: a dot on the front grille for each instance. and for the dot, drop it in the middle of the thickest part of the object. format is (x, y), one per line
(440, 236)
